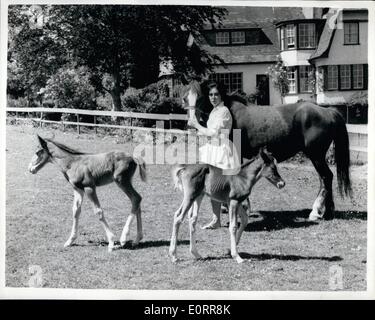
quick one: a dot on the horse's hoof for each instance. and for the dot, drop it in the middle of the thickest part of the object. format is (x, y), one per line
(68, 244)
(314, 216)
(174, 259)
(239, 259)
(211, 226)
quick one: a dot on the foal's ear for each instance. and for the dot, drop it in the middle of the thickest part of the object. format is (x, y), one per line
(266, 156)
(42, 142)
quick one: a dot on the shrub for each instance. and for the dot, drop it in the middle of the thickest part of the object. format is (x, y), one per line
(70, 88)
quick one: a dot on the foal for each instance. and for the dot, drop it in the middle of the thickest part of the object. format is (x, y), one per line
(197, 180)
(85, 172)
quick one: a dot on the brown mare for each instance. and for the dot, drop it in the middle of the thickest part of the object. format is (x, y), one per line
(85, 172)
(286, 130)
(197, 180)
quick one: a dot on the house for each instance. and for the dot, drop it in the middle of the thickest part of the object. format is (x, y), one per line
(324, 51)
(326, 60)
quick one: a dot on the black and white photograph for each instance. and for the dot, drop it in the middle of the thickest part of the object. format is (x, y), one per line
(174, 150)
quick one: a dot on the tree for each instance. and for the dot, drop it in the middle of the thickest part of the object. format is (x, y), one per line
(128, 43)
(34, 53)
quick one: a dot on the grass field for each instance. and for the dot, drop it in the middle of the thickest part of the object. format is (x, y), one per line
(283, 251)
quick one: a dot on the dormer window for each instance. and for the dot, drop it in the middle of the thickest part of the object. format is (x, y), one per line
(238, 37)
(300, 34)
(306, 34)
(222, 38)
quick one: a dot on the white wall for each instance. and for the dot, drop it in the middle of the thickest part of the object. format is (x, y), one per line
(335, 97)
(249, 78)
(347, 54)
(296, 57)
(300, 96)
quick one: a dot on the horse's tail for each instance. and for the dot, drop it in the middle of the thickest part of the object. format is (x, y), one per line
(142, 168)
(342, 155)
(176, 176)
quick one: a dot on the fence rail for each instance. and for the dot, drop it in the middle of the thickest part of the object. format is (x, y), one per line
(357, 133)
(114, 114)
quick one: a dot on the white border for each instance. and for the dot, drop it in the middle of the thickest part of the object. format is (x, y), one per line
(46, 293)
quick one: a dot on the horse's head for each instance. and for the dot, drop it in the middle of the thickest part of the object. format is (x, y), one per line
(269, 169)
(41, 156)
(196, 101)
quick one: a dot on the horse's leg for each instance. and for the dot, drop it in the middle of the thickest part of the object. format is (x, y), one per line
(233, 206)
(244, 220)
(91, 194)
(215, 222)
(323, 205)
(193, 217)
(247, 206)
(77, 202)
(135, 199)
(178, 218)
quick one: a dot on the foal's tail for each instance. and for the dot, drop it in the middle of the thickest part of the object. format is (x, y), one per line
(142, 168)
(342, 155)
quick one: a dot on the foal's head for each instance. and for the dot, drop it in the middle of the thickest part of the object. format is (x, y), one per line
(41, 156)
(269, 169)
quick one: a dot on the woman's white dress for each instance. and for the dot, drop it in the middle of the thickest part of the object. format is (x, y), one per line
(219, 150)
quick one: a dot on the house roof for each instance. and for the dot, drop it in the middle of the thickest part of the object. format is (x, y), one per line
(326, 36)
(263, 18)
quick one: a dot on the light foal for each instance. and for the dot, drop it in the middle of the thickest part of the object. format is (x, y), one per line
(198, 180)
(85, 172)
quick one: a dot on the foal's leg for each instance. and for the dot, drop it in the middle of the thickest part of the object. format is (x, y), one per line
(91, 194)
(178, 218)
(215, 222)
(193, 217)
(233, 206)
(244, 220)
(135, 199)
(77, 202)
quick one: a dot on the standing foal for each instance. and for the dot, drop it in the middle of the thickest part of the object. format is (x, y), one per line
(85, 172)
(197, 180)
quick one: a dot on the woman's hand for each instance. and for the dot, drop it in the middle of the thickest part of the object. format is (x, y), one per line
(193, 122)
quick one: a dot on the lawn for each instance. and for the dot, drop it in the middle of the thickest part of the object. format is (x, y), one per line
(282, 249)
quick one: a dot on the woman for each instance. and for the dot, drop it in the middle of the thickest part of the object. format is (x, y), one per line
(218, 151)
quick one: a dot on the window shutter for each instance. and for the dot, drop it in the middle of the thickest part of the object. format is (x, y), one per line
(365, 76)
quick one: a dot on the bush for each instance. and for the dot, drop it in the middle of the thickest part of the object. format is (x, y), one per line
(152, 99)
(70, 88)
(17, 103)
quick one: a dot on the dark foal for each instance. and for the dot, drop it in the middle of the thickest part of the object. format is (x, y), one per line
(197, 180)
(85, 172)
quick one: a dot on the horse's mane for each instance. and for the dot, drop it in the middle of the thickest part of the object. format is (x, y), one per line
(235, 97)
(65, 148)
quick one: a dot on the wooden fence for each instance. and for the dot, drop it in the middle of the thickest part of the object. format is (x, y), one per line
(33, 112)
(357, 133)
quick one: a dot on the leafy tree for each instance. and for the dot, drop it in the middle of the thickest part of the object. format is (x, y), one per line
(129, 42)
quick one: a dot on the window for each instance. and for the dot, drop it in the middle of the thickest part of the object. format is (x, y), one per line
(238, 37)
(305, 83)
(332, 78)
(283, 38)
(222, 38)
(291, 36)
(292, 79)
(351, 33)
(358, 82)
(232, 81)
(306, 35)
(345, 77)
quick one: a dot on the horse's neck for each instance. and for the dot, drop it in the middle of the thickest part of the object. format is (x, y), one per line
(62, 158)
(252, 172)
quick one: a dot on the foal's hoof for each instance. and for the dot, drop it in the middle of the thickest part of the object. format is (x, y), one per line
(239, 259)
(68, 244)
(211, 226)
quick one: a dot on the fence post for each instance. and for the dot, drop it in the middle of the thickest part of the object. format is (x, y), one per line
(40, 120)
(78, 128)
(96, 129)
(131, 126)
